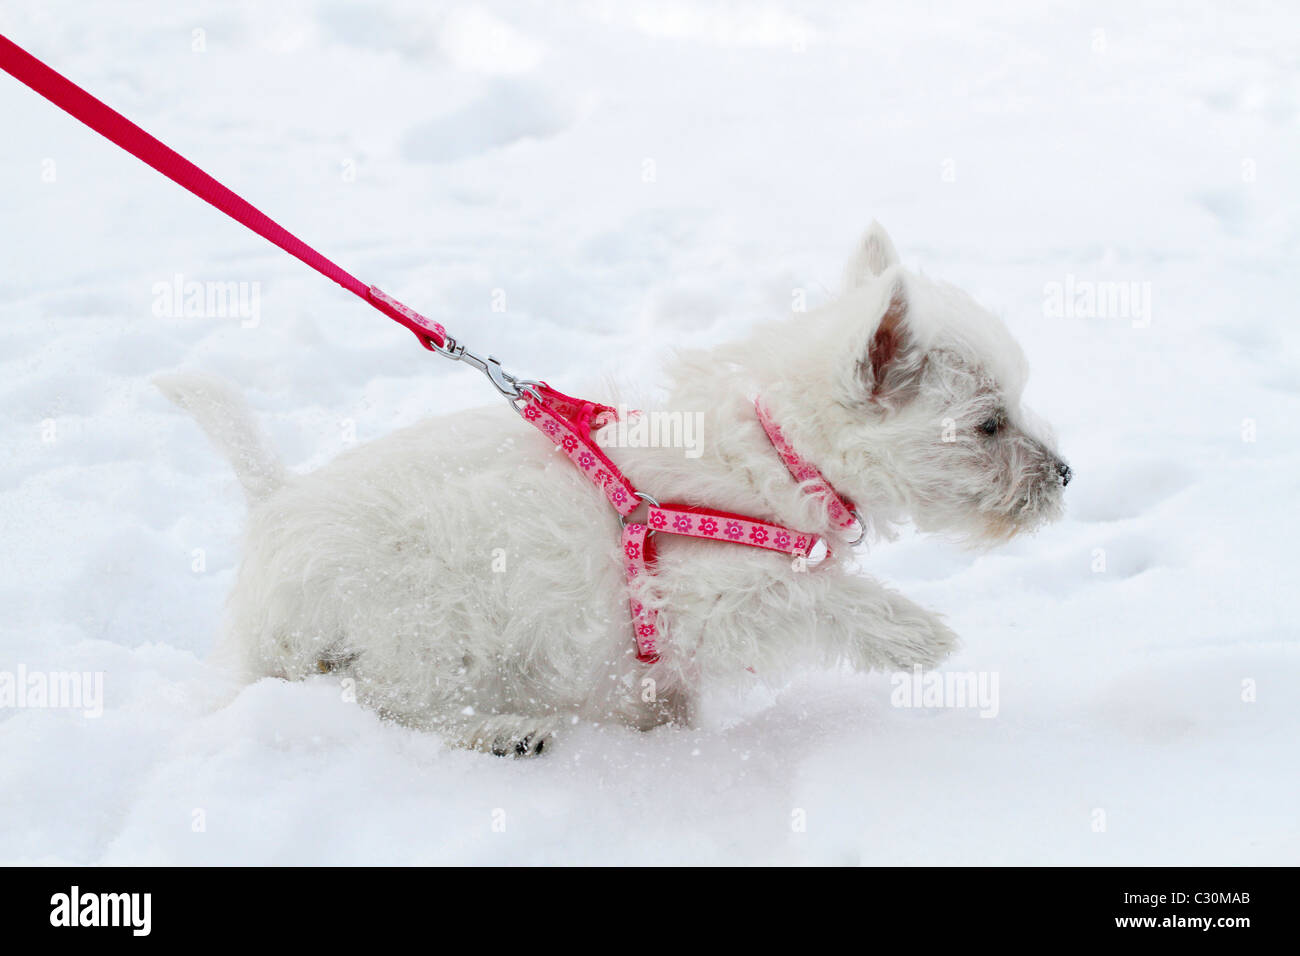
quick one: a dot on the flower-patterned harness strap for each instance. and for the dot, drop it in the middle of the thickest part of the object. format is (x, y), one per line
(638, 550)
(569, 422)
(842, 513)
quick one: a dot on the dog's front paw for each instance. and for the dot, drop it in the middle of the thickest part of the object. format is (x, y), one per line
(900, 634)
(933, 643)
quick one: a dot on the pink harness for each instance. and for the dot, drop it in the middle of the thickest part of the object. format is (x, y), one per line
(568, 422)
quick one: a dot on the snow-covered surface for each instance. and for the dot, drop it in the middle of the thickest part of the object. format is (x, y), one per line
(630, 175)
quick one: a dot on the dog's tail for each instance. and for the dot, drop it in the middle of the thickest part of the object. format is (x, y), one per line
(226, 418)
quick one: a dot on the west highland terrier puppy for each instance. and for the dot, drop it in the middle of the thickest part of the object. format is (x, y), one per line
(469, 579)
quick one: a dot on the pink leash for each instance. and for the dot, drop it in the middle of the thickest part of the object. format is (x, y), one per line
(568, 422)
(113, 126)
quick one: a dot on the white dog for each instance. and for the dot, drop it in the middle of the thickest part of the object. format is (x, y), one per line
(469, 579)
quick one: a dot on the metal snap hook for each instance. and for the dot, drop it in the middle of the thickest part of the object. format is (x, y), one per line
(505, 383)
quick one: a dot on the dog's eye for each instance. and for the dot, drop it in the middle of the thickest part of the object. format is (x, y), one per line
(991, 426)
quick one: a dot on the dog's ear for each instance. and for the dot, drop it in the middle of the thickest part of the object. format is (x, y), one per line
(889, 367)
(875, 253)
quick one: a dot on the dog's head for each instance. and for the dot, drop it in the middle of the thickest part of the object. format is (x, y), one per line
(927, 405)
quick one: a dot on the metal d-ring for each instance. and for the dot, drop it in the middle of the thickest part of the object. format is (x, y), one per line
(862, 529)
(526, 386)
(622, 519)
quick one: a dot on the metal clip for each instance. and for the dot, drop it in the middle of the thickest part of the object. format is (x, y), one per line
(512, 387)
(502, 380)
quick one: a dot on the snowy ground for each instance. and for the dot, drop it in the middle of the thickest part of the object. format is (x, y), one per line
(628, 175)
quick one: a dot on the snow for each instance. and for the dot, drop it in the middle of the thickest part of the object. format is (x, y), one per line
(622, 177)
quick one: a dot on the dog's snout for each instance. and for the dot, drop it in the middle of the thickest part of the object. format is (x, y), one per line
(1064, 471)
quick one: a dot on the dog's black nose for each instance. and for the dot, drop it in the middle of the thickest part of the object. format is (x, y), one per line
(1064, 471)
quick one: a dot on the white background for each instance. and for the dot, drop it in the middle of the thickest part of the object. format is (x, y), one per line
(508, 146)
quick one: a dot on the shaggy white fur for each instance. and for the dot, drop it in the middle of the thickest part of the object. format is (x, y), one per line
(467, 579)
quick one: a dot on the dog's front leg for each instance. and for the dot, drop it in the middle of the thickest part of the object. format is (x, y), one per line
(768, 617)
(878, 628)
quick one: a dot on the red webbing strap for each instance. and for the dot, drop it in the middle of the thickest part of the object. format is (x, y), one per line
(115, 127)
